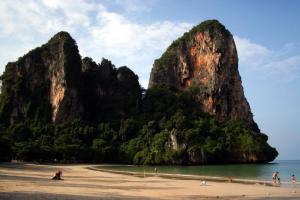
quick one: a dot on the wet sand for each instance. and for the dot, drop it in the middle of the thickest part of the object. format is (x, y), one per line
(31, 181)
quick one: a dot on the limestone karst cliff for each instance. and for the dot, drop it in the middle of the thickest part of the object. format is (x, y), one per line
(52, 83)
(205, 59)
(55, 106)
(109, 93)
(43, 84)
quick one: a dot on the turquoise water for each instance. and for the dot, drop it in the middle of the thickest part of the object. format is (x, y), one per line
(244, 171)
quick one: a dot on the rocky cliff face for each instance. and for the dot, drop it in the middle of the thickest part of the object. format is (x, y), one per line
(109, 92)
(52, 83)
(118, 121)
(43, 84)
(205, 61)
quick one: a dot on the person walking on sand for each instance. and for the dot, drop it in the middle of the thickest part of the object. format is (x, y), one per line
(274, 177)
(278, 178)
(293, 179)
(155, 169)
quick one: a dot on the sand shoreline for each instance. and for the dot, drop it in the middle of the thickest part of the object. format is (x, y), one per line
(189, 177)
(33, 181)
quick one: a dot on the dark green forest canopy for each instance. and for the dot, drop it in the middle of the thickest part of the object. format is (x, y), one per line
(142, 138)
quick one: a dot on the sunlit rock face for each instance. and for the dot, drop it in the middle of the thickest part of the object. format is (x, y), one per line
(43, 80)
(205, 60)
(53, 84)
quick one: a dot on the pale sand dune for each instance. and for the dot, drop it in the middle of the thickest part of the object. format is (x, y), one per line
(30, 181)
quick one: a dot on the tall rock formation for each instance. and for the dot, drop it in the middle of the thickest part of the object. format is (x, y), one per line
(52, 84)
(109, 93)
(100, 112)
(205, 60)
(44, 83)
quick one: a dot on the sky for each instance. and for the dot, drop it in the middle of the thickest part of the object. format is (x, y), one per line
(134, 33)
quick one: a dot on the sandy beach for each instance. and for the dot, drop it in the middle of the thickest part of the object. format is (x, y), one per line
(32, 181)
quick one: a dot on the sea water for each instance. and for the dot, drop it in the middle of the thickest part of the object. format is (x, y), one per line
(286, 169)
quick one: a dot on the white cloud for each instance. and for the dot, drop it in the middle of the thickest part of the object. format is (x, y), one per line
(248, 50)
(26, 24)
(282, 64)
(98, 31)
(287, 69)
(26, 17)
(103, 33)
(130, 43)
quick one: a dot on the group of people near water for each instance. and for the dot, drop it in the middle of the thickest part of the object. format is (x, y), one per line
(276, 178)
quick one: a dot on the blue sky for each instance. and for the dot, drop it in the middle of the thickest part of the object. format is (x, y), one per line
(134, 33)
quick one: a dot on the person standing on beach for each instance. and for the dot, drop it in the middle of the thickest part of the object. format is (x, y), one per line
(278, 178)
(293, 179)
(274, 177)
(155, 169)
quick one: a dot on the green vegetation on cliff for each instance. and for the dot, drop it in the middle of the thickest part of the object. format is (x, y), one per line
(168, 58)
(142, 138)
(25, 88)
(118, 120)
